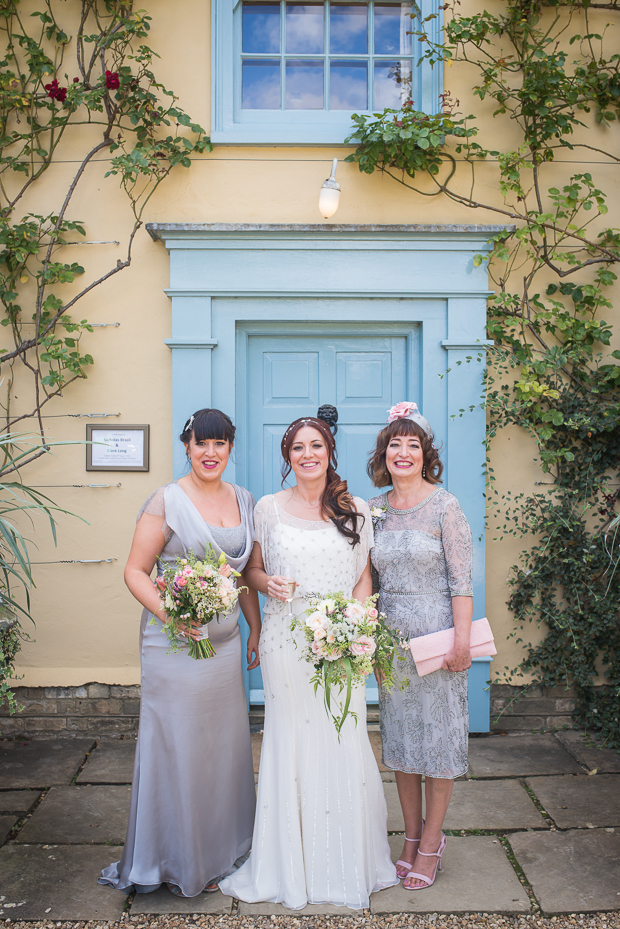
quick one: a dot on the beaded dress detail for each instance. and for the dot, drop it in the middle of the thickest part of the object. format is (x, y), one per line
(422, 557)
(320, 834)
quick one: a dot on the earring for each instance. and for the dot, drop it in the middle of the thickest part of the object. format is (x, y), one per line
(423, 470)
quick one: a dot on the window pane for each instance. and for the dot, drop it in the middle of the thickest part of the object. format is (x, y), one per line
(392, 23)
(304, 28)
(260, 28)
(260, 84)
(392, 84)
(348, 85)
(348, 29)
(304, 84)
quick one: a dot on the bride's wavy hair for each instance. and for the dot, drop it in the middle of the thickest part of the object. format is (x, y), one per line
(336, 503)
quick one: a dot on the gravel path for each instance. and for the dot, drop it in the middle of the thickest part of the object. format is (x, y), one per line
(401, 921)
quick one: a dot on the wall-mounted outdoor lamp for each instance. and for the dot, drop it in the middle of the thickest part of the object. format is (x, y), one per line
(329, 196)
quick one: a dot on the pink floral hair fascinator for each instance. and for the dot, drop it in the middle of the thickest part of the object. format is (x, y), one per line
(407, 409)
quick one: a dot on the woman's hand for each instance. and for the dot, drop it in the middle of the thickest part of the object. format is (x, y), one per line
(277, 587)
(253, 640)
(458, 658)
(191, 629)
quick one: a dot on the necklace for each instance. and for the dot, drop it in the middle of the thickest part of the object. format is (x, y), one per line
(313, 506)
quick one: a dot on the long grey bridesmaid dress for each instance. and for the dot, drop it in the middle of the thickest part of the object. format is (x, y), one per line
(192, 801)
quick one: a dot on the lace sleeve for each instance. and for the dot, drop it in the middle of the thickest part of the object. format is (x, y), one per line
(366, 538)
(155, 505)
(457, 546)
(263, 522)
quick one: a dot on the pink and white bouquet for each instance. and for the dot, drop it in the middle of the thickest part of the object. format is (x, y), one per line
(196, 591)
(346, 641)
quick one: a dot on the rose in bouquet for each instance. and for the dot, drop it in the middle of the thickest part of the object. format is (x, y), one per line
(196, 591)
(346, 641)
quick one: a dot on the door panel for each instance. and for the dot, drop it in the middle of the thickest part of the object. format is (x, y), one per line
(362, 375)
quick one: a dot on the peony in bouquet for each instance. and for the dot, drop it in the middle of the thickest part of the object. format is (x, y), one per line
(196, 591)
(347, 641)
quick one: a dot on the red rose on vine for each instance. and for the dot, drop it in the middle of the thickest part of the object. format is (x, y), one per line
(112, 80)
(55, 92)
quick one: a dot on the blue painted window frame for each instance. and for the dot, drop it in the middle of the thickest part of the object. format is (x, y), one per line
(235, 126)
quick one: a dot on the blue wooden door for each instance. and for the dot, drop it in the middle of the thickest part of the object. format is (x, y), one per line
(291, 375)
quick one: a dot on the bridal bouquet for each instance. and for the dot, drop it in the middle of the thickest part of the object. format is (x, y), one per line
(346, 641)
(196, 590)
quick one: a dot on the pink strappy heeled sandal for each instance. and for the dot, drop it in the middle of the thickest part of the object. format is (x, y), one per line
(428, 881)
(406, 865)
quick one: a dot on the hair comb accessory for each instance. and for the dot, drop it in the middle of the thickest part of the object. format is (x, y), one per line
(298, 423)
(190, 423)
(407, 409)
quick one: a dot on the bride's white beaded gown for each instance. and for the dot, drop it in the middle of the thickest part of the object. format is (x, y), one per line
(320, 834)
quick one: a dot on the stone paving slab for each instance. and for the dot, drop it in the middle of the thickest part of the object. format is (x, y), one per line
(595, 758)
(477, 877)
(478, 805)
(519, 756)
(47, 883)
(45, 763)
(109, 763)
(18, 801)
(571, 872)
(161, 902)
(580, 802)
(6, 824)
(311, 909)
(79, 815)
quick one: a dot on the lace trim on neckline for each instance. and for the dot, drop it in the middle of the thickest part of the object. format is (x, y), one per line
(412, 509)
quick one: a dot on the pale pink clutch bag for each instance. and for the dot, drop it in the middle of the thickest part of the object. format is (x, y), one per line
(430, 650)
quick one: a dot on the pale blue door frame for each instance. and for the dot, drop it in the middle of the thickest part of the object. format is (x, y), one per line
(226, 279)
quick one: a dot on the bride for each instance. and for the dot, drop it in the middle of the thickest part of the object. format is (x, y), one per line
(320, 832)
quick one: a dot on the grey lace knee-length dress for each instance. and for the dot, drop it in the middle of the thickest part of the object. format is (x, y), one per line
(192, 801)
(422, 557)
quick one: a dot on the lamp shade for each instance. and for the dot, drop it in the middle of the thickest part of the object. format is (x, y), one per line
(329, 197)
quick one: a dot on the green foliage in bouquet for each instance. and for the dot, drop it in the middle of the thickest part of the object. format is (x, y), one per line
(346, 641)
(193, 593)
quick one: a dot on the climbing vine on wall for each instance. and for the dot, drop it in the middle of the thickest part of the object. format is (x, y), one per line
(553, 85)
(76, 86)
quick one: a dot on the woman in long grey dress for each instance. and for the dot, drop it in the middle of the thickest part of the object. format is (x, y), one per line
(192, 800)
(422, 562)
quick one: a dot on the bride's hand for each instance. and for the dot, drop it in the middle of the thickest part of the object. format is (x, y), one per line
(277, 587)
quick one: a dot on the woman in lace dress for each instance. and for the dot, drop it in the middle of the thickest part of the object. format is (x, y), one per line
(192, 799)
(422, 560)
(320, 834)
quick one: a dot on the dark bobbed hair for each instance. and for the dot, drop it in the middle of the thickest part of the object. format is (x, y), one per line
(336, 502)
(208, 424)
(377, 468)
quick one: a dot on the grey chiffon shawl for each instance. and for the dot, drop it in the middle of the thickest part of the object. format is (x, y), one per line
(192, 800)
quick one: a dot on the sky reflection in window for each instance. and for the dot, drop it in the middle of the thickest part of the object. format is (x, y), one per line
(261, 28)
(392, 84)
(348, 85)
(260, 84)
(304, 28)
(304, 84)
(348, 29)
(392, 22)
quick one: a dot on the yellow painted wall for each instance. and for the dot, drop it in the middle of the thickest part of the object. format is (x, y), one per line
(87, 623)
